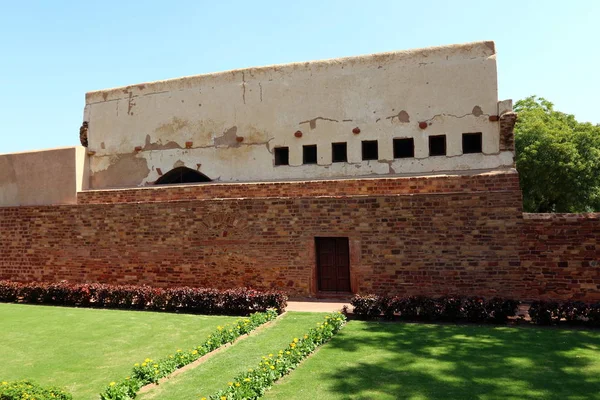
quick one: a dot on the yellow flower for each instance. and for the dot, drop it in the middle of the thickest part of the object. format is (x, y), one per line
(223, 398)
(295, 340)
(246, 379)
(147, 360)
(287, 352)
(230, 383)
(5, 383)
(204, 398)
(270, 355)
(292, 345)
(155, 365)
(112, 384)
(237, 384)
(179, 350)
(136, 364)
(305, 336)
(144, 364)
(195, 352)
(272, 367)
(220, 328)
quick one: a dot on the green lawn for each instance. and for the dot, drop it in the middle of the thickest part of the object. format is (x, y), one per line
(369, 360)
(82, 350)
(214, 374)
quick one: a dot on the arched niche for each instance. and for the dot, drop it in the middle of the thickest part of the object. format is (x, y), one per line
(182, 175)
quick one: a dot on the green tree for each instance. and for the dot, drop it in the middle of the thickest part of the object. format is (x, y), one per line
(558, 159)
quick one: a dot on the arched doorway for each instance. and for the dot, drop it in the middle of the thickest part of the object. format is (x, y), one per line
(182, 175)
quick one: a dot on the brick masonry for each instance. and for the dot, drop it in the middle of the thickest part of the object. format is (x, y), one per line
(560, 255)
(507, 135)
(341, 187)
(434, 235)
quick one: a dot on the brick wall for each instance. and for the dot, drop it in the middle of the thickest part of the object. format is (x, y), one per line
(465, 241)
(489, 181)
(560, 255)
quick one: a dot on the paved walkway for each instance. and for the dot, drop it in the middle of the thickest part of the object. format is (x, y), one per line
(317, 305)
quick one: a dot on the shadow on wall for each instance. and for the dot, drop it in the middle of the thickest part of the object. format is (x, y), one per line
(410, 361)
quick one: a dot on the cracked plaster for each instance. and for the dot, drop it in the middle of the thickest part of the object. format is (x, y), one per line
(234, 119)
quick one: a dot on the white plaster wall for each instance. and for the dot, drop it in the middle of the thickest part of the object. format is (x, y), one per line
(452, 88)
(42, 177)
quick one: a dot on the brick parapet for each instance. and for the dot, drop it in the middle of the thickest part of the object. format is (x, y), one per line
(490, 181)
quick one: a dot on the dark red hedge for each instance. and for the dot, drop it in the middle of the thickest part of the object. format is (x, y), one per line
(241, 301)
(472, 309)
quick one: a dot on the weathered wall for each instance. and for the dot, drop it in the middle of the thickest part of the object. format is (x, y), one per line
(226, 125)
(560, 255)
(43, 177)
(463, 241)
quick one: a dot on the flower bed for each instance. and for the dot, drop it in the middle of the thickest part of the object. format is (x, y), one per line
(20, 390)
(253, 383)
(472, 309)
(240, 301)
(150, 371)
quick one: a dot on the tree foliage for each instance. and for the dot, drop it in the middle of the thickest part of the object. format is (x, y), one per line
(558, 159)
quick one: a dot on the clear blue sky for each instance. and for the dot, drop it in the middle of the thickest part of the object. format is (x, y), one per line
(52, 52)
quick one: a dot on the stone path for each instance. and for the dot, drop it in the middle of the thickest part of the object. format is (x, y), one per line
(317, 305)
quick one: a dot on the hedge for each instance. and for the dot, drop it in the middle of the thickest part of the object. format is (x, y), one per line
(150, 371)
(569, 313)
(448, 308)
(473, 309)
(20, 390)
(241, 301)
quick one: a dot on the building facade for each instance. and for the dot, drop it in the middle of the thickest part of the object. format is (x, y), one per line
(389, 173)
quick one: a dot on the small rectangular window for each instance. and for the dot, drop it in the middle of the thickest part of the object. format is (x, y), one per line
(339, 152)
(282, 156)
(471, 142)
(370, 150)
(437, 145)
(404, 148)
(309, 154)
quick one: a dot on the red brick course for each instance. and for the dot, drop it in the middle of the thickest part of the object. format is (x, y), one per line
(469, 240)
(490, 181)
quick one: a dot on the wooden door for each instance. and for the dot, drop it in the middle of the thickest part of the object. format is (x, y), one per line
(333, 264)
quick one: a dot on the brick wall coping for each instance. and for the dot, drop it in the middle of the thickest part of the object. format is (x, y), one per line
(473, 182)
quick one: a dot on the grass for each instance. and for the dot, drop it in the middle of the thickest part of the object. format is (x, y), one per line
(370, 360)
(82, 350)
(216, 372)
